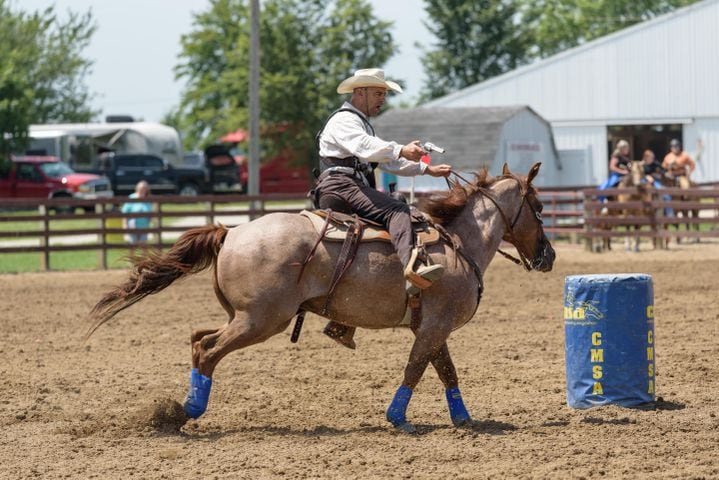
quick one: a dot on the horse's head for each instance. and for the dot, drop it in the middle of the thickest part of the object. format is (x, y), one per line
(636, 172)
(525, 229)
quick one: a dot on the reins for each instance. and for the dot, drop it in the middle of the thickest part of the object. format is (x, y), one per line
(522, 260)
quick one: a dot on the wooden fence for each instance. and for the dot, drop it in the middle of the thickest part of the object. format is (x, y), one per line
(40, 223)
(573, 213)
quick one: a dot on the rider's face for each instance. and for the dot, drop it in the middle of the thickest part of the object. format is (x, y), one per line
(375, 100)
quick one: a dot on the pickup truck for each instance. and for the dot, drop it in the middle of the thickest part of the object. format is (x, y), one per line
(47, 177)
(125, 170)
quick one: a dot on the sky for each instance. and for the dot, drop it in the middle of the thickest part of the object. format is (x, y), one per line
(137, 43)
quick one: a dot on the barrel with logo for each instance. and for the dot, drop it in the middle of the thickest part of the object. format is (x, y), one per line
(609, 339)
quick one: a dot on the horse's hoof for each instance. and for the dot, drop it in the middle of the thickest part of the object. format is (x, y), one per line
(406, 427)
(462, 421)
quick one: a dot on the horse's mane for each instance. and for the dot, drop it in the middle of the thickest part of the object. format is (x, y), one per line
(446, 206)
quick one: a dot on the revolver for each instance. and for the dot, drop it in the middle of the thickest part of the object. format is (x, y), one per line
(430, 147)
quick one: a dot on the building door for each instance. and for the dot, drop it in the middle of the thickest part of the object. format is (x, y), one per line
(644, 137)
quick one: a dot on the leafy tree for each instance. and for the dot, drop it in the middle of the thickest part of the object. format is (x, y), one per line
(479, 39)
(42, 72)
(476, 40)
(307, 48)
(555, 25)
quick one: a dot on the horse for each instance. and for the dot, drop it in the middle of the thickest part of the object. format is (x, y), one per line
(683, 182)
(256, 268)
(634, 179)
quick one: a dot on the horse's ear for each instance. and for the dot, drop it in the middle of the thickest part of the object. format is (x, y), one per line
(533, 172)
(505, 169)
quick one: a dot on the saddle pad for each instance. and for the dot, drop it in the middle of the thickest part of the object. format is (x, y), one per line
(336, 231)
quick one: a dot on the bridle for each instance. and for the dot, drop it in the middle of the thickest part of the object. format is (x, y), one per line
(510, 236)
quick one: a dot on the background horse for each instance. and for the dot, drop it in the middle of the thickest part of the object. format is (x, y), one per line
(683, 182)
(632, 180)
(256, 281)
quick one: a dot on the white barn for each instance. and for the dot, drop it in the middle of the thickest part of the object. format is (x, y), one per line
(649, 83)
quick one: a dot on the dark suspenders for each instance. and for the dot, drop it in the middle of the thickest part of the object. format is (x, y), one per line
(370, 175)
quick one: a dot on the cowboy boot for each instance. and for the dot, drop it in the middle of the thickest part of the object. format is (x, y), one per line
(341, 334)
(423, 276)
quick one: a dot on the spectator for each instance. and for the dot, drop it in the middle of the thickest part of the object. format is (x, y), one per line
(653, 171)
(142, 190)
(654, 174)
(618, 165)
(677, 162)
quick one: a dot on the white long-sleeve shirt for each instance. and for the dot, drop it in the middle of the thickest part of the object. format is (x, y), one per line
(346, 135)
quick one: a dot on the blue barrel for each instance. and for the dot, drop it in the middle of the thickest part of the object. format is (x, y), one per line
(609, 335)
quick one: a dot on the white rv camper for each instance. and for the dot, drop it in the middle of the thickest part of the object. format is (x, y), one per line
(80, 144)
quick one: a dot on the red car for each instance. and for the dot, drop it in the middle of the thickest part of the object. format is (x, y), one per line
(48, 177)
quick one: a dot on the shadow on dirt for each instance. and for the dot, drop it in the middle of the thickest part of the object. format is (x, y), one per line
(487, 427)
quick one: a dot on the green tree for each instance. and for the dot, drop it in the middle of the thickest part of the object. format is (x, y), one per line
(307, 48)
(475, 40)
(479, 39)
(42, 72)
(552, 26)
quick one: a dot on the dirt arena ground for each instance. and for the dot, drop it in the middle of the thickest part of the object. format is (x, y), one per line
(70, 409)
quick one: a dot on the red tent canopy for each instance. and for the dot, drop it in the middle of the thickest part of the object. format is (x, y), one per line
(237, 136)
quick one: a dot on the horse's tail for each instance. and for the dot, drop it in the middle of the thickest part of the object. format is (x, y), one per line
(193, 252)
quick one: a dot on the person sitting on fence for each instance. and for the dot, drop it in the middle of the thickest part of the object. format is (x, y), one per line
(678, 162)
(618, 165)
(142, 190)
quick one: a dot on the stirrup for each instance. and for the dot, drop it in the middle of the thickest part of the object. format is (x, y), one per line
(424, 276)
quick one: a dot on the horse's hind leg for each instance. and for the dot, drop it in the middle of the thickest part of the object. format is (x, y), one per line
(212, 347)
(444, 366)
(195, 337)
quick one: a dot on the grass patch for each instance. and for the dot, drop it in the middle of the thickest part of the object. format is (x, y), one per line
(76, 260)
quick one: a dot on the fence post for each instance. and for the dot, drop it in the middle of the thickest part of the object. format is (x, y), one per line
(157, 209)
(102, 238)
(45, 239)
(210, 207)
(587, 228)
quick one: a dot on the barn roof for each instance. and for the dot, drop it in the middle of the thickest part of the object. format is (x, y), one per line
(471, 135)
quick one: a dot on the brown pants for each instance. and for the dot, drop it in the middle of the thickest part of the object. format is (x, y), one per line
(374, 205)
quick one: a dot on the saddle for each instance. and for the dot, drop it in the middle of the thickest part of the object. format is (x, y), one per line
(339, 225)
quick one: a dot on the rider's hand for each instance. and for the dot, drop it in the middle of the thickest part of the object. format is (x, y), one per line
(438, 170)
(412, 151)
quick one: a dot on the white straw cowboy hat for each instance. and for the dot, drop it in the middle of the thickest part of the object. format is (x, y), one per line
(367, 77)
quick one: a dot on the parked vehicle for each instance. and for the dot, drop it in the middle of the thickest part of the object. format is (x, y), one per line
(80, 145)
(220, 166)
(125, 170)
(279, 175)
(47, 177)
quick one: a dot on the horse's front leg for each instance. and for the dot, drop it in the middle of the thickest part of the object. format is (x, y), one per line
(444, 366)
(427, 344)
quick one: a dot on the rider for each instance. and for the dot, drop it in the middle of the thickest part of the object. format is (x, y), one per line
(348, 147)
(619, 165)
(653, 171)
(677, 162)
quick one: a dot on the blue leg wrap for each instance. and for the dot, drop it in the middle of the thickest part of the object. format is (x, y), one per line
(457, 410)
(398, 408)
(198, 395)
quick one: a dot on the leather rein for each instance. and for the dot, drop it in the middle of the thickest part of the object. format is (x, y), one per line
(511, 237)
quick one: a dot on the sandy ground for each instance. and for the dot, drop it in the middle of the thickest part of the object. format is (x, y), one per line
(70, 409)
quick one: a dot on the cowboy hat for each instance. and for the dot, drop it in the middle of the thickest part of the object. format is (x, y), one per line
(367, 77)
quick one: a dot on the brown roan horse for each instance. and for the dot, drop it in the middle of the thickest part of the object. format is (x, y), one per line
(256, 281)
